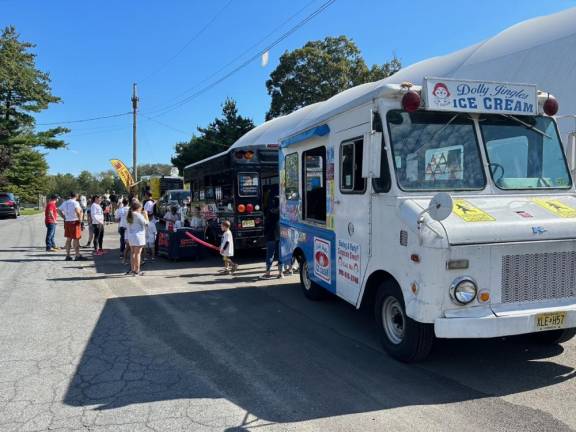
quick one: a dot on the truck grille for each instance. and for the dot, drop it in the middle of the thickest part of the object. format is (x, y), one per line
(539, 276)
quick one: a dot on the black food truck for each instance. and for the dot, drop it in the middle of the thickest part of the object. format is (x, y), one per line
(236, 185)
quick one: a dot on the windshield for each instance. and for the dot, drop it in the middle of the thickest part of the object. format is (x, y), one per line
(435, 151)
(179, 196)
(524, 153)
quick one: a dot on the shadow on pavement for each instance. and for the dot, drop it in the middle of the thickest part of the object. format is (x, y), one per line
(278, 363)
(110, 263)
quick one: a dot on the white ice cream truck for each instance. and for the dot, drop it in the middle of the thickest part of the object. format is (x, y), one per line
(450, 207)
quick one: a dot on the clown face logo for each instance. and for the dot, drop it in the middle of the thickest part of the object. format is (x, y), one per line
(441, 94)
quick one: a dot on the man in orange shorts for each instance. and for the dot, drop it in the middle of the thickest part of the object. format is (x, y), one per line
(72, 214)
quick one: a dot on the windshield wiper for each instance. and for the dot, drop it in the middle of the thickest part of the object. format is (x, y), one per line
(526, 125)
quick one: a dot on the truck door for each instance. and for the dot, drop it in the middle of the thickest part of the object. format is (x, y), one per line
(351, 212)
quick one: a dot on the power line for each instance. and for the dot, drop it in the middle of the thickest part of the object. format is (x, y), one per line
(292, 30)
(194, 95)
(100, 131)
(84, 120)
(246, 51)
(188, 134)
(188, 43)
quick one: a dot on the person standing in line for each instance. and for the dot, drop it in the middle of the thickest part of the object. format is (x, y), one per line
(137, 222)
(120, 217)
(97, 216)
(151, 232)
(83, 205)
(51, 221)
(272, 237)
(72, 214)
(227, 248)
(113, 206)
(149, 204)
(89, 222)
(105, 204)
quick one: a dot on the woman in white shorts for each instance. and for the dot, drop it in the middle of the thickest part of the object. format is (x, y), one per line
(136, 235)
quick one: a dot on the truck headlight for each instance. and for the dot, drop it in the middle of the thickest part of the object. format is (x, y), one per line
(463, 290)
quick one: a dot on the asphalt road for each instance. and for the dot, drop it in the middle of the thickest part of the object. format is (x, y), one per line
(185, 349)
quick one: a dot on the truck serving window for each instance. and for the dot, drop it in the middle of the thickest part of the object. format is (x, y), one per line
(351, 180)
(291, 176)
(524, 153)
(435, 151)
(314, 173)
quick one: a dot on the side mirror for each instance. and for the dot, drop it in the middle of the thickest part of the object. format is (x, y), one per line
(372, 154)
(440, 206)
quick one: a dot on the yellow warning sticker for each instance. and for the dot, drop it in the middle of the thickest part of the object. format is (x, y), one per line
(469, 213)
(556, 207)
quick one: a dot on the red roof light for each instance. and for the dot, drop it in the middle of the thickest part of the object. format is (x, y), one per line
(550, 106)
(411, 101)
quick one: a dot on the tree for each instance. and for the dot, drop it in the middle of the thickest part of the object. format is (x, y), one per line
(62, 184)
(87, 183)
(24, 90)
(318, 71)
(215, 138)
(26, 176)
(154, 169)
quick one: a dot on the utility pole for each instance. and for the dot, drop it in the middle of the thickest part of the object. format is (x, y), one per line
(134, 146)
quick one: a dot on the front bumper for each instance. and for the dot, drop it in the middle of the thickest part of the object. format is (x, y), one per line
(489, 326)
(8, 211)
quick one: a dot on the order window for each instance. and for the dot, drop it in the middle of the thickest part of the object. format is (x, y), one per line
(314, 173)
(351, 180)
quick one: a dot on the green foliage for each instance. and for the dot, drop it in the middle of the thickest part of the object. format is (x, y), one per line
(154, 169)
(215, 138)
(24, 90)
(26, 176)
(318, 71)
(89, 184)
(62, 184)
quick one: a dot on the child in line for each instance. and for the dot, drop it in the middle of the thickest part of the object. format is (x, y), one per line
(151, 232)
(227, 248)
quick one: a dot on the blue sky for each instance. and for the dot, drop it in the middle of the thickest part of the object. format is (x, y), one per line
(94, 51)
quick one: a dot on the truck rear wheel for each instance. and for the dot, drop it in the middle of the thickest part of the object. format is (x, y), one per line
(553, 337)
(402, 337)
(311, 289)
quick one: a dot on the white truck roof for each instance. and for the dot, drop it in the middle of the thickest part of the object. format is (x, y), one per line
(525, 53)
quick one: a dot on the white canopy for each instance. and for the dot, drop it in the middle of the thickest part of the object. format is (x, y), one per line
(539, 51)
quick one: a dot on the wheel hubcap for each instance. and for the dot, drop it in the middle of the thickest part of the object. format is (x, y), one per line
(393, 320)
(305, 277)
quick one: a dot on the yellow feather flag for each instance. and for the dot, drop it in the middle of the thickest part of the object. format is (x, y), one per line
(123, 172)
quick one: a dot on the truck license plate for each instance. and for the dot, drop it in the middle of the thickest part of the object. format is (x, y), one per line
(248, 223)
(550, 321)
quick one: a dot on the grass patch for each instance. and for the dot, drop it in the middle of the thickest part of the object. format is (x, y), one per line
(29, 211)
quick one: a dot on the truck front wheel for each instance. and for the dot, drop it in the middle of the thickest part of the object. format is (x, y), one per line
(402, 337)
(311, 289)
(553, 337)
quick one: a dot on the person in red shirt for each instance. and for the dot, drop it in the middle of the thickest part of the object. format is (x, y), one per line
(51, 220)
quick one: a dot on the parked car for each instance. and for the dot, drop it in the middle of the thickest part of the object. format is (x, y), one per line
(172, 197)
(9, 205)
